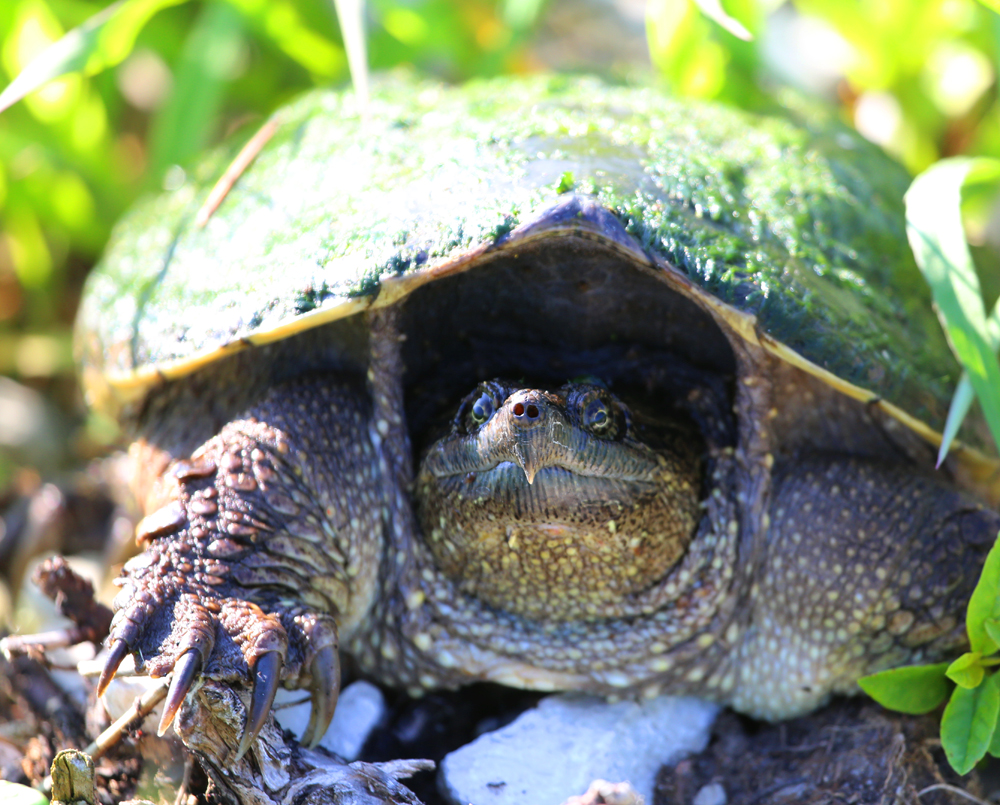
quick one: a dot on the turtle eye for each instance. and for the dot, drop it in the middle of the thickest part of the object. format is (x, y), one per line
(482, 409)
(596, 415)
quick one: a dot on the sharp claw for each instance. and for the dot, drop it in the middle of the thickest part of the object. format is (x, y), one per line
(325, 670)
(267, 675)
(116, 654)
(185, 670)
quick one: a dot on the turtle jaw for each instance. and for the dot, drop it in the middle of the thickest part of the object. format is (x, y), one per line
(535, 514)
(556, 494)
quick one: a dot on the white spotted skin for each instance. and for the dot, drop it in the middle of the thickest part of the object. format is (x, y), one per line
(868, 566)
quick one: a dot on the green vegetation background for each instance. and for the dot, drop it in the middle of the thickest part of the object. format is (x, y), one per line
(919, 76)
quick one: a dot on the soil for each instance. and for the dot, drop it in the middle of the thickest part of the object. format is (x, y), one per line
(37, 720)
(851, 752)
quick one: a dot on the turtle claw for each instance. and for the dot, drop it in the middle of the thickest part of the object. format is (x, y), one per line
(267, 675)
(185, 671)
(325, 669)
(116, 654)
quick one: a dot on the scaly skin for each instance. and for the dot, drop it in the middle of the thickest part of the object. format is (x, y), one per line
(295, 526)
(270, 545)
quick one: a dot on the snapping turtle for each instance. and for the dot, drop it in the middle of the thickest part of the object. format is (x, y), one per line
(550, 383)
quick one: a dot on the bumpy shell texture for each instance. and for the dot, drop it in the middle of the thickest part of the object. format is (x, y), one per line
(793, 220)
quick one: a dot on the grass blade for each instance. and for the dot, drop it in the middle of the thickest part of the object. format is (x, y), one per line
(714, 11)
(963, 393)
(960, 404)
(934, 228)
(184, 124)
(101, 42)
(351, 14)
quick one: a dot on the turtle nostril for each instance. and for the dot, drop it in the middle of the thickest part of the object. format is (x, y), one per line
(526, 413)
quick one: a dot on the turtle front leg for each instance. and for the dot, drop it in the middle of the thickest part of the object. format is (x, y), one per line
(271, 546)
(868, 566)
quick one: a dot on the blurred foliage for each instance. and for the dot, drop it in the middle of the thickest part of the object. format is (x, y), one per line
(150, 83)
(916, 76)
(75, 153)
(154, 81)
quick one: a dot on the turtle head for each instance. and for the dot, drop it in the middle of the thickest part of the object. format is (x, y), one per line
(507, 437)
(568, 492)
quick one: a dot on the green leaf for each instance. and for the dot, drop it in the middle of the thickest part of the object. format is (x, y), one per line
(934, 228)
(968, 724)
(985, 604)
(967, 671)
(282, 23)
(103, 41)
(521, 14)
(995, 19)
(206, 64)
(962, 399)
(994, 747)
(913, 689)
(992, 626)
(566, 182)
(983, 171)
(16, 794)
(683, 49)
(714, 11)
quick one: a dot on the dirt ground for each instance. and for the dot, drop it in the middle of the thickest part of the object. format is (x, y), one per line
(851, 752)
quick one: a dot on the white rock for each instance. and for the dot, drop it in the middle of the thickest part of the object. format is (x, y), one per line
(554, 751)
(711, 794)
(359, 709)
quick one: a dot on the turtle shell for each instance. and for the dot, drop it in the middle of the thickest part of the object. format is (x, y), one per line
(789, 229)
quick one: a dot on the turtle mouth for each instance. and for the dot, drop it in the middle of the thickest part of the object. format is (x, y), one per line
(553, 487)
(513, 473)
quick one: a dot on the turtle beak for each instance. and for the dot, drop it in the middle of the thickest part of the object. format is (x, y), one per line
(532, 420)
(527, 461)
